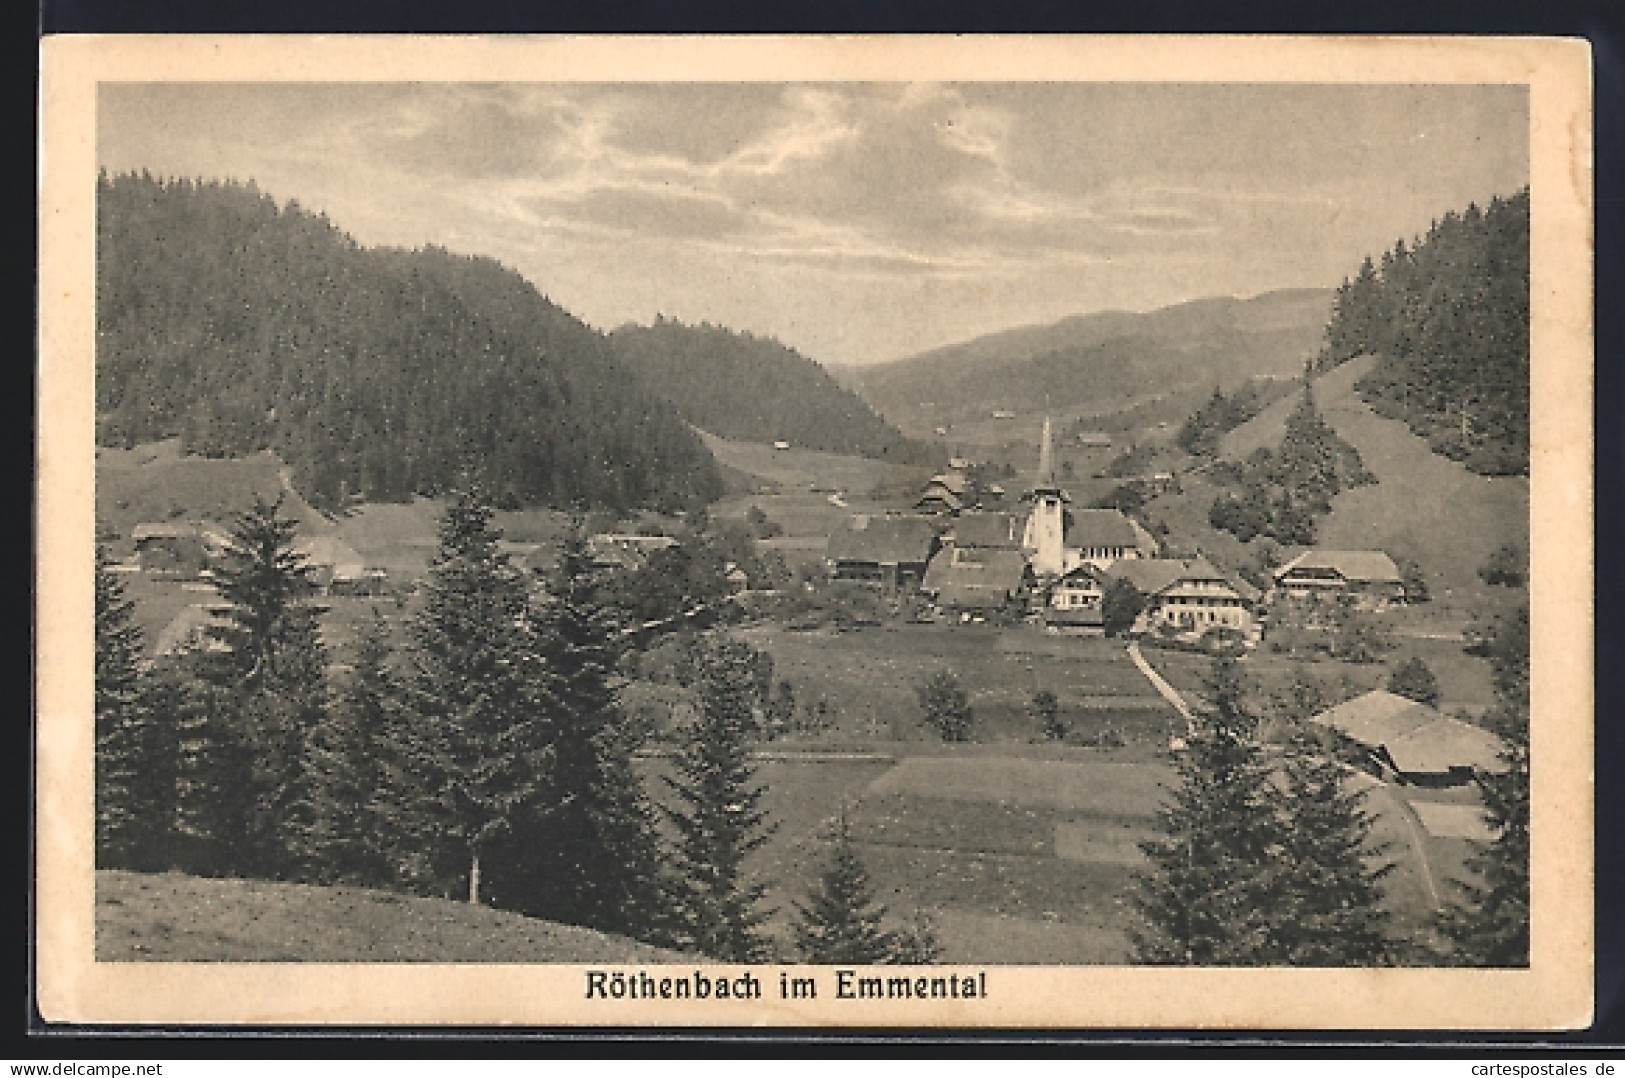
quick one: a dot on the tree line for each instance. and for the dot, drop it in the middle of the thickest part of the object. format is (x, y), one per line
(238, 325)
(1281, 493)
(487, 758)
(1448, 319)
(741, 386)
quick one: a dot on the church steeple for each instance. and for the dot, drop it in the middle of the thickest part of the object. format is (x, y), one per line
(1046, 462)
(1045, 536)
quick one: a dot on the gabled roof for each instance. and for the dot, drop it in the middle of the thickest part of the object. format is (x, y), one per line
(1416, 737)
(189, 629)
(884, 540)
(1357, 566)
(939, 495)
(987, 581)
(1153, 576)
(987, 530)
(329, 551)
(954, 482)
(1100, 527)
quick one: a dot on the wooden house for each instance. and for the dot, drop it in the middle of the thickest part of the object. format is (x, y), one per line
(891, 551)
(1369, 577)
(1189, 596)
(1409, 742)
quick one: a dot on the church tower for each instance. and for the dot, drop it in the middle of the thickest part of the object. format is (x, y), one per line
(1045, 537)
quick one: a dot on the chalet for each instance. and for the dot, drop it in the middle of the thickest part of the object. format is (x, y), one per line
(892, 552)
(1075, 600)
(781, 445)
(1410, 742)
(1095, 439)
(1190, 596)
(944, 495)
(622, 551)
(334, 564)
(976, 578)
(1370, 577)
(177, 549)
(1103, 536)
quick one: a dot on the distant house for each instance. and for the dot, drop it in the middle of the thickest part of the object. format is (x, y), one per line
(1369, 576)
(336, 567)
(958, 464)
(892, 552)
(1094, 439)
(944, 494)
(976, 578)
(175, 549)
(1103, 536)
(1189, 596)
(1074, 600)
(1410, 742)
(622, 551)
(781, 445)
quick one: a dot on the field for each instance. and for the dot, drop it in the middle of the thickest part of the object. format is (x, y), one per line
(169, 917)
(803, 469)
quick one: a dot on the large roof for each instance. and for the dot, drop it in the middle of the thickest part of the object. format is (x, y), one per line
(1416, 737)
(987, 580)
(1153, 576)
(951, 481)
(143, 532)
(1100, 527)
(987, 530)
(1360, 566)
(329, 551)
(884, 540)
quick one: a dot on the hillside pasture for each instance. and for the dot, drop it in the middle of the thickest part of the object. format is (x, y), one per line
(802, 469)
(169, 917)
(155, 483)
(1424, 507)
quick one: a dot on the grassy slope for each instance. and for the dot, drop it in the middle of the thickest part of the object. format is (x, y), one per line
(803, 468)
(154, 483)
(1423, 507)
(175, 918)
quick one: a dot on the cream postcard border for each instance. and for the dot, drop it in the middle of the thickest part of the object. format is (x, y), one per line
(1555, 992)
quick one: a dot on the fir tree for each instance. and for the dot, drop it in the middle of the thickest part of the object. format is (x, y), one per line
(480, 740)
(1414, 680)
(588, 853)
(841, 922)
(269, 697)
(1213, 889)
(1332, 912)
(137, 755)
(718, 815)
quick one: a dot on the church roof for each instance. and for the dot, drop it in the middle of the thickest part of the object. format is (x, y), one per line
(1100, 527)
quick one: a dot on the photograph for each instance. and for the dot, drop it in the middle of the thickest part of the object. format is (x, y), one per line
(816, 532)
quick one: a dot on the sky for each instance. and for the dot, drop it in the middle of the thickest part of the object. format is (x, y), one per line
(857, 222)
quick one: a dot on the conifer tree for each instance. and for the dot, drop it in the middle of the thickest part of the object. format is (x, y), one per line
(268, 697)
(718, 815)
(841, 922)
(137, 754)
(1213, 889)
(1332, 912)
(588, 853)
(481, 739)
(946, 706)
(1488, 923)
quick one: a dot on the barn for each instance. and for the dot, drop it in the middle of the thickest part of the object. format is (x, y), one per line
(890, 551)
(1412, 743)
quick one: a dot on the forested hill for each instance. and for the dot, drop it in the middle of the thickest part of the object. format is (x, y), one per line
(748, 388)
(1448, 320)
(239, 325)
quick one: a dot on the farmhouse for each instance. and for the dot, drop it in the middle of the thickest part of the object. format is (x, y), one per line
(1103, 536)
(944, 494)
(1000, 531)
(192, 629)
(976, 578)
(621, 551)
(1370, 577)
(890, 551)
(1189, 596)
(1409, 742)
(1075, 599)
(179, 549)
(336, 567)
